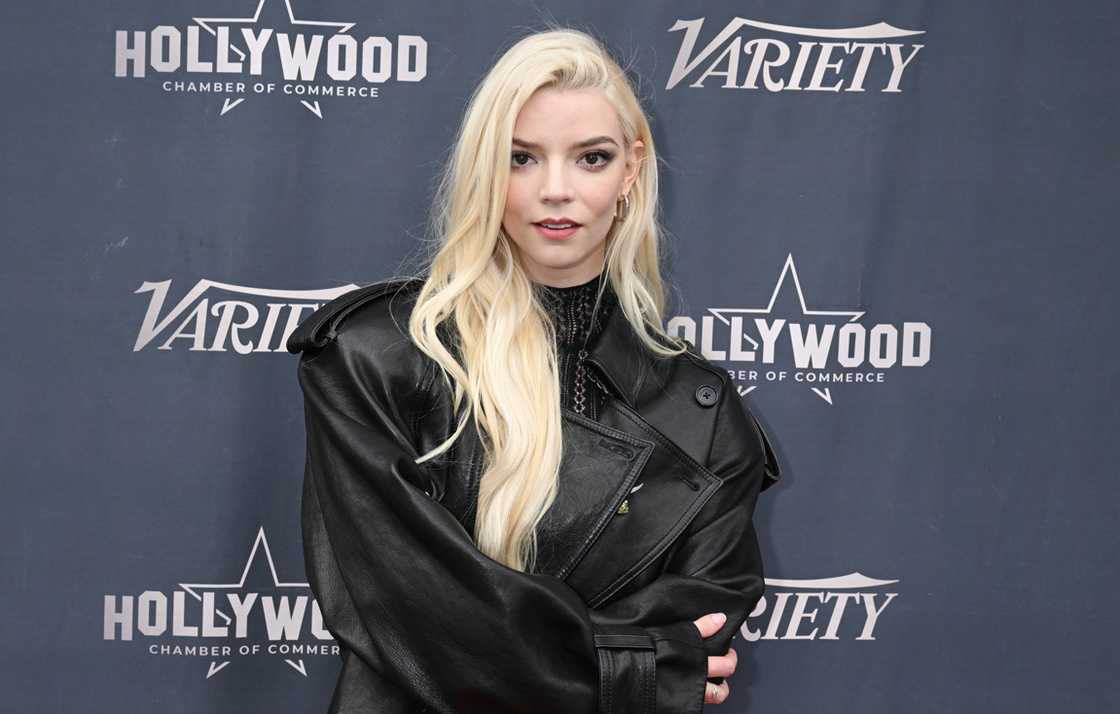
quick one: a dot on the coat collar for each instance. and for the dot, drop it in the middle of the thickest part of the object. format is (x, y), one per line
(630, 368)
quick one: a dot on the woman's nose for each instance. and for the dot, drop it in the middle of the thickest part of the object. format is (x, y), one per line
(556, 184)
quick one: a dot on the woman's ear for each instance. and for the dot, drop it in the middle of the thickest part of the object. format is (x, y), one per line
(634, 159)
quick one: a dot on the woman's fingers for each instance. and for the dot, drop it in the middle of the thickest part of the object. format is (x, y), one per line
(720, 667)
(710, 624)
(723, 666)
(715, 694)
(717, 666)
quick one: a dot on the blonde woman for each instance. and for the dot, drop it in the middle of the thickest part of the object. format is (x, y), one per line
(521, 494)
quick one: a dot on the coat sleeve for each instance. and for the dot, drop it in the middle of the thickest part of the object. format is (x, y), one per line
(402, 586)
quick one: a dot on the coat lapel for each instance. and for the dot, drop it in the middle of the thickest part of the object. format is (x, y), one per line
(671, 490)
(626, 456)
(600, 466)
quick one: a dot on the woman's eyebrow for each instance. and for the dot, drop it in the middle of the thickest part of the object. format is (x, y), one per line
(578, 145)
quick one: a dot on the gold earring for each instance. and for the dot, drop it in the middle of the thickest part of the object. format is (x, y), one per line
(625, 200)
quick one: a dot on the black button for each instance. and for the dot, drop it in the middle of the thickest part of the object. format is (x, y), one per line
(707, 395)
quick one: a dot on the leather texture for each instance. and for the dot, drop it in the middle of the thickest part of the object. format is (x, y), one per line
(652, 528)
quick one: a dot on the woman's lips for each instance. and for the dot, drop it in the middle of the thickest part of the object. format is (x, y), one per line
(555, 234)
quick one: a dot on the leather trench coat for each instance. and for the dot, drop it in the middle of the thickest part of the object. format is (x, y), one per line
(652, 528)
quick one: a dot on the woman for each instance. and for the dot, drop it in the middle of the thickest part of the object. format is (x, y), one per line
(521, 495)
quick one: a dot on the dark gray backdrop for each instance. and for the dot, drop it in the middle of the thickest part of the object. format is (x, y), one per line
(962, 211)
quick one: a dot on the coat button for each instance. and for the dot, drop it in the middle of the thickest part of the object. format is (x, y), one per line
(707, 395)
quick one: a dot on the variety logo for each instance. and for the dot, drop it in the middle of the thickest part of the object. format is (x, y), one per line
(238, 57)
(824, 346)
(261, 320)
(832, 60)
(853, 597)
(224, 621)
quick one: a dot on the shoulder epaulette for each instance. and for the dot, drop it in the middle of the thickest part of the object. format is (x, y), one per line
(322, 325)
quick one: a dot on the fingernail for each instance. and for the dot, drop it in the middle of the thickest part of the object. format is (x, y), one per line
(720, 618)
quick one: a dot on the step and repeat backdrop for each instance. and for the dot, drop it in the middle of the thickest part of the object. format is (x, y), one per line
(892, 223)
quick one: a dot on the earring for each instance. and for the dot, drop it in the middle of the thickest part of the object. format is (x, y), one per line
(626, 212)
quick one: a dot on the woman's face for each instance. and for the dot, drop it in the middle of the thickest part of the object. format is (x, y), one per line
(567, 165)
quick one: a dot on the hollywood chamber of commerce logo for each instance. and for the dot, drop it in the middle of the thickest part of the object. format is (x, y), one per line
(238, 57)
(194, 622)
(826, 346)
(845, 58)
(251, 320)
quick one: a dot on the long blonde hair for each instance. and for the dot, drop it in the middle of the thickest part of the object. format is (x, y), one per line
(506, 381)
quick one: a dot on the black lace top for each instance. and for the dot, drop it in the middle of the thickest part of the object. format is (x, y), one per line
(578, 324)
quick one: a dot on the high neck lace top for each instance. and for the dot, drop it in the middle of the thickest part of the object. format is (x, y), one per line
(577, 323)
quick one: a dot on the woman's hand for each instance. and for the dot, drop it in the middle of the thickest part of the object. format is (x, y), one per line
(717, 666)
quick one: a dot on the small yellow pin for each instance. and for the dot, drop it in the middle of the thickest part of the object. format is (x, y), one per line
(625, 507)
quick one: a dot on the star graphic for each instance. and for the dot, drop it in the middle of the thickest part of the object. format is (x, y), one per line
(260, 545)
(788, 269)
(205, 22)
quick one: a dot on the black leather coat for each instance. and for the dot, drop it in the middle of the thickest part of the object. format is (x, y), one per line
(651, 529)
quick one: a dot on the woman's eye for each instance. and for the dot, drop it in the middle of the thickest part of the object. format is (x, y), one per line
(602, 158)
(514, 157)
